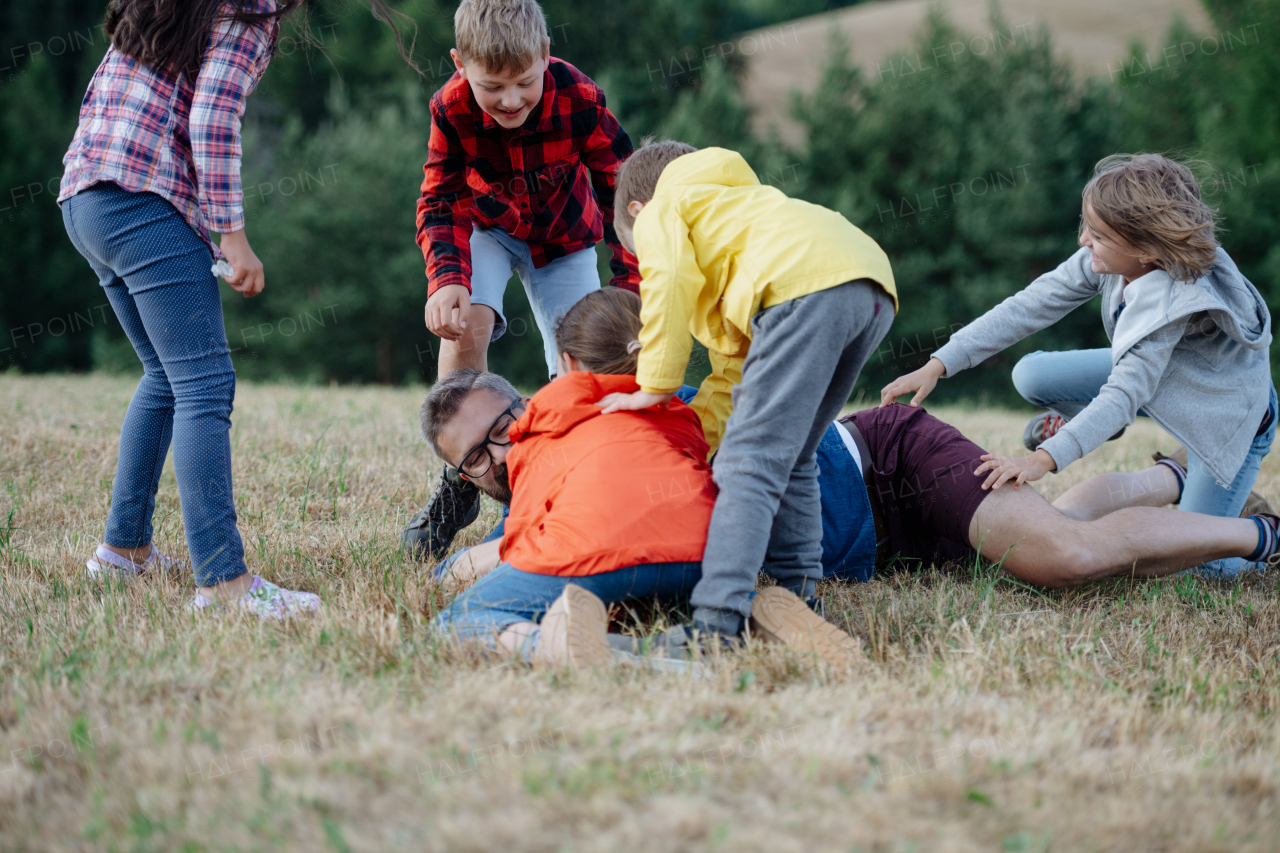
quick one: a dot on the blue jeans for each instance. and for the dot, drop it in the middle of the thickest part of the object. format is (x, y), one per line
(1066, 382)
(155, 272)
(552, 290)
(507, 595)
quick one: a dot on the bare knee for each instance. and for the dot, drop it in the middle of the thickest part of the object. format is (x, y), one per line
(1054, 561)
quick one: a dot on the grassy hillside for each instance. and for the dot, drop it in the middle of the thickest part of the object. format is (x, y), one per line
(987, 716)
(1094, 34)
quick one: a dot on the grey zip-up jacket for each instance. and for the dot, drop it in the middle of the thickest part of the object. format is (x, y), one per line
(1193, 356)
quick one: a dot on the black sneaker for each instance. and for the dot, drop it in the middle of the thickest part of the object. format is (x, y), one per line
(454, 505)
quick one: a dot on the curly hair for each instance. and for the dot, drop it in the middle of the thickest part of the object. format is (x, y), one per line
(1153, 203)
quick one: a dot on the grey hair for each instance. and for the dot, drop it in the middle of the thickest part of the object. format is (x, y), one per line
(446, 396)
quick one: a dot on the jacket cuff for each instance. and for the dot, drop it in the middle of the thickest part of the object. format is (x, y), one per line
(444, 279)
(1064, 449)
(651, 390)
(952, 358)
(226, 220)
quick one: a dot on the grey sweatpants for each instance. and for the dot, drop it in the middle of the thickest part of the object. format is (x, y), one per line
(804, 359)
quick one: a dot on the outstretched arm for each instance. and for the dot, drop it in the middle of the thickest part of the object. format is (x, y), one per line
(1039, 305)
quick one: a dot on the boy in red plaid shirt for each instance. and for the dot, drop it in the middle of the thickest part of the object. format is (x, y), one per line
(519, 177)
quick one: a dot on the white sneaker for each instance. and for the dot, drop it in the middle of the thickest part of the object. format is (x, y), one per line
(264, 600)
(105, 562)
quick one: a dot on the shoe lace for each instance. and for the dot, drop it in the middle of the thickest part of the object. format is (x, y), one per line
(424, 515)
(1052, 423)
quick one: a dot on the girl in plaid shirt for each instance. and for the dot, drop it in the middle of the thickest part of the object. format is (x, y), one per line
(153, 168)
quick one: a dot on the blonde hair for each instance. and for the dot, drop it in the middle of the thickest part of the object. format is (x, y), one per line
(500, 35)
(1153, 203)
(638, 175)
(602, 331)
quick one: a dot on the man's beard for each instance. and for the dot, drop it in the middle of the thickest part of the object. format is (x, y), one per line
(501, 490)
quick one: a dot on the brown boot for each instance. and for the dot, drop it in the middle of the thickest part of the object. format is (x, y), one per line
(1255, 505)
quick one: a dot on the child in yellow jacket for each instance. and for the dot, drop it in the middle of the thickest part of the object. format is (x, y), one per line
(790, 300)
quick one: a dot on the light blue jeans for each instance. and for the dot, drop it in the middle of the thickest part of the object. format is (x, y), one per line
(552, 290)
(1065, 382)
(155, 272)
(507, 595)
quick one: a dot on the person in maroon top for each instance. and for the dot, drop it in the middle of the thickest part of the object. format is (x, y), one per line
(519, 178)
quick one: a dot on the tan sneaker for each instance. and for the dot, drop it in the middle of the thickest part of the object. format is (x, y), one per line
(1256, 503)
(779, 616)
(575, 632)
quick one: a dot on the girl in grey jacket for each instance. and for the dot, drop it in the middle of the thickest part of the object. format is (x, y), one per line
(1189, 344)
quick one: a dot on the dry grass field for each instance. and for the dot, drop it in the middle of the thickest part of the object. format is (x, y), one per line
(988, 716)
(1093, 34)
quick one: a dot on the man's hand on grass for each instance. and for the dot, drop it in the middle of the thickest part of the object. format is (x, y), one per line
(632, 402)
(1015, 469)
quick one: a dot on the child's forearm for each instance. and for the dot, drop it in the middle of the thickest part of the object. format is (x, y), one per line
(1041, 304)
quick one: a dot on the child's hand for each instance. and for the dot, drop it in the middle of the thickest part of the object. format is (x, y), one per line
(440, 311)
(632, 402)
(921, 382)
(1006, 468)
(247, 276)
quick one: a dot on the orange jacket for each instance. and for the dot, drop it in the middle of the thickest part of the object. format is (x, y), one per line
(595, 493)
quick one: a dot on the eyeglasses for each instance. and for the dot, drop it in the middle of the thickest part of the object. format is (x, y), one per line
(478, 460)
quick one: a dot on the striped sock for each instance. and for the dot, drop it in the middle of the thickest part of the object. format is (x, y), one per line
(1179, 472)
(1268, 537)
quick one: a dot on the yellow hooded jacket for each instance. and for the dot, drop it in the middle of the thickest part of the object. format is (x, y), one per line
(715, 248)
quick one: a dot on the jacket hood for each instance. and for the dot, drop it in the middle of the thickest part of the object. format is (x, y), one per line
(1225, 297)
(563, 404)
(1232, 301)
(708, 166)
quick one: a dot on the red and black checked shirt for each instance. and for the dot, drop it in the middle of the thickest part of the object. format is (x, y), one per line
(180, 139)
(548, 183)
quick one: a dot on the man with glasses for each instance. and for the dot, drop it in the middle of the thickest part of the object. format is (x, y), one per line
(605, 510)
(457, 432)
(909, 506)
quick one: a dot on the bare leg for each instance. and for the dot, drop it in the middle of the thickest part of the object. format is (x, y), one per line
(1106, 493)
(1040, 544)
(228, 590)
(137, 555)
(513, 636)
(472, 350)
(225, 591)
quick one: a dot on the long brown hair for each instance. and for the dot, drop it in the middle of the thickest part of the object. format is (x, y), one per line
(1153, 203)
(170, 36)
(602, 331)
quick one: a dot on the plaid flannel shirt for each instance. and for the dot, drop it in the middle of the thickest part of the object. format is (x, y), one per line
(548, 183)
(151, 132)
